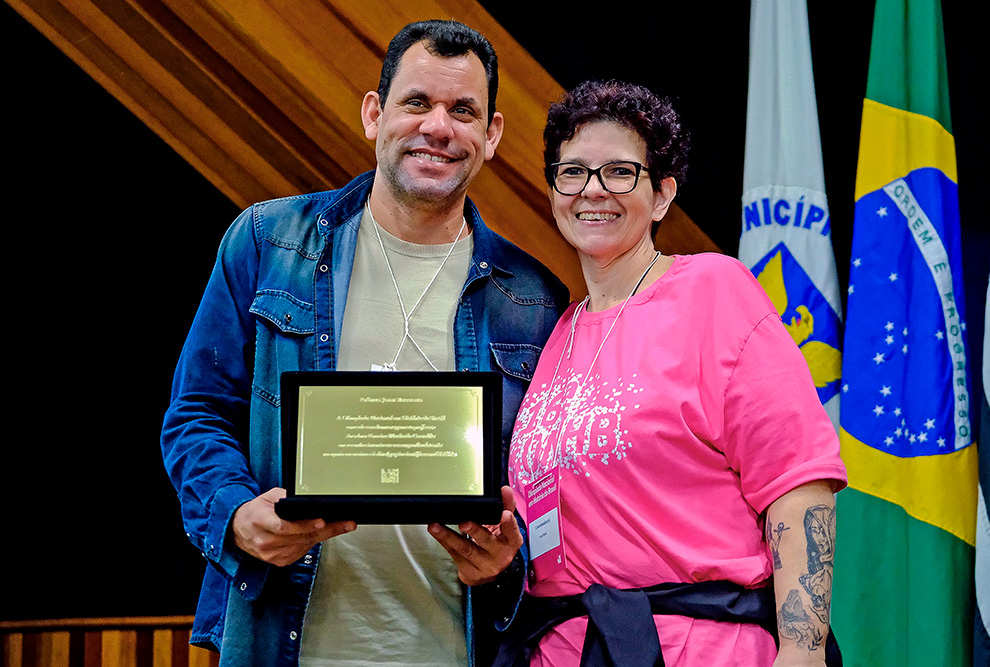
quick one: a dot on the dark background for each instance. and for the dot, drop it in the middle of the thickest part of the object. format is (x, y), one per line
(112, 235)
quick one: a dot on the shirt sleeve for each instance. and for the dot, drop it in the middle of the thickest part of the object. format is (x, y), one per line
(777, 435)
(205, 430)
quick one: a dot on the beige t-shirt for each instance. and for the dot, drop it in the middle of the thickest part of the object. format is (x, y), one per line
(390, 594)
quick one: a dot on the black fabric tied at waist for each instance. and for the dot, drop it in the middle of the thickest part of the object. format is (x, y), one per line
(621, 631)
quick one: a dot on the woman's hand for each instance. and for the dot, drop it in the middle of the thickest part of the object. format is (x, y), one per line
(482, 552)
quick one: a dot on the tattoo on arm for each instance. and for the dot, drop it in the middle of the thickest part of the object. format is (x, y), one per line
(773, 539)
(793, 622)
(819, 528)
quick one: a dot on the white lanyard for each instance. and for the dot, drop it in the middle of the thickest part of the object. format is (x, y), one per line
(408, 316)
(566, 405)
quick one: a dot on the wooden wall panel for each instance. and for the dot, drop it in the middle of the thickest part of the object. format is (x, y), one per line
(102, 642)
(262, 97)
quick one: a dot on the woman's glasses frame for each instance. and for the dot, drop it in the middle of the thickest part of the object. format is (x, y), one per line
(589, 172)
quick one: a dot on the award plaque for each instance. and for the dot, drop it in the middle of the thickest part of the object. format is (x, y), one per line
(384, 448)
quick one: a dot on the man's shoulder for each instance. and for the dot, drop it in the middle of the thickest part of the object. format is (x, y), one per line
(525, 271)
(519, 260)
(293, 205)
(334, 206)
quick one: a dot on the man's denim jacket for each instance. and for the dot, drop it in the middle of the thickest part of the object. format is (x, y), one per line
(275, 302)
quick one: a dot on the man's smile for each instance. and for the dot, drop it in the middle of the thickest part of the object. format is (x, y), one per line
(430, 157)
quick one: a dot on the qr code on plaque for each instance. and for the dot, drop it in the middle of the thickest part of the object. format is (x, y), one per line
(390, 475)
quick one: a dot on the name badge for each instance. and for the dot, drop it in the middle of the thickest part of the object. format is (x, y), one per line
(546, 548)
(382, 369)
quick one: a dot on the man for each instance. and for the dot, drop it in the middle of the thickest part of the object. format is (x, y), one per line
(394, 271)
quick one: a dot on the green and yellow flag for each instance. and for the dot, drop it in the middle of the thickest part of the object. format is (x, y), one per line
(906, 526)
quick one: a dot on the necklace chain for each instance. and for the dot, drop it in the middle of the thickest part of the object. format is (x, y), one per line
(406, 317)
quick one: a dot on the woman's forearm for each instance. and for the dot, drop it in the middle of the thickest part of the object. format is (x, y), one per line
(800, 533)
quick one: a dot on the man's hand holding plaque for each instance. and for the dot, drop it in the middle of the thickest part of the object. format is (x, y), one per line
(482, 552)
(260, 532)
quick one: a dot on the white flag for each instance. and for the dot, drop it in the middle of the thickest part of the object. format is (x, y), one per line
(981, 652)
(786, 230)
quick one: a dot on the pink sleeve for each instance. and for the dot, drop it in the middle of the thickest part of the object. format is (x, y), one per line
(776, 433)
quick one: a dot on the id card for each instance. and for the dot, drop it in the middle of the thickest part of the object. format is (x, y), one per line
(546, 548)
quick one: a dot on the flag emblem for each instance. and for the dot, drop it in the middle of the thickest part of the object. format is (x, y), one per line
(807, 316)
(909, 396)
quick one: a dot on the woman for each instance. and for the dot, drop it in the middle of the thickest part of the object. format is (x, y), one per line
(670, 419)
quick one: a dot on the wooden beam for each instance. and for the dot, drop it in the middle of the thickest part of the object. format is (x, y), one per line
(262, 98)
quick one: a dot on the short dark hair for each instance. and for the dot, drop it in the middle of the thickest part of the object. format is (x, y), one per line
(446, 39)
(637, 108)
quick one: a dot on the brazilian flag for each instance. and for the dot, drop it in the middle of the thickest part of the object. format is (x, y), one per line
(906, 526)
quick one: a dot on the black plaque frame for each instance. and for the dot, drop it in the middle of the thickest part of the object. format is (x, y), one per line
(394, 509)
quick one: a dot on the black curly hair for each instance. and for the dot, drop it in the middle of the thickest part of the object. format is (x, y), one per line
(446, 39)
(634, 106)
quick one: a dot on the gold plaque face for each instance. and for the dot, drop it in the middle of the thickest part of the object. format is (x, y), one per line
(390, 441)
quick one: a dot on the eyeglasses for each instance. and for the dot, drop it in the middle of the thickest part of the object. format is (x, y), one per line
(619, 178)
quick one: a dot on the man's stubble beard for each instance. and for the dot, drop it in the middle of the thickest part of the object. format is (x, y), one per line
(413, 192)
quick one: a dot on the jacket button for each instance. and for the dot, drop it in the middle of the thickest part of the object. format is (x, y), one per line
(324, 268)
(288, 317)
(324, 337)
(308, 559)
(293, 635)
(484, 265)
(243, 587)
(323, 221)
